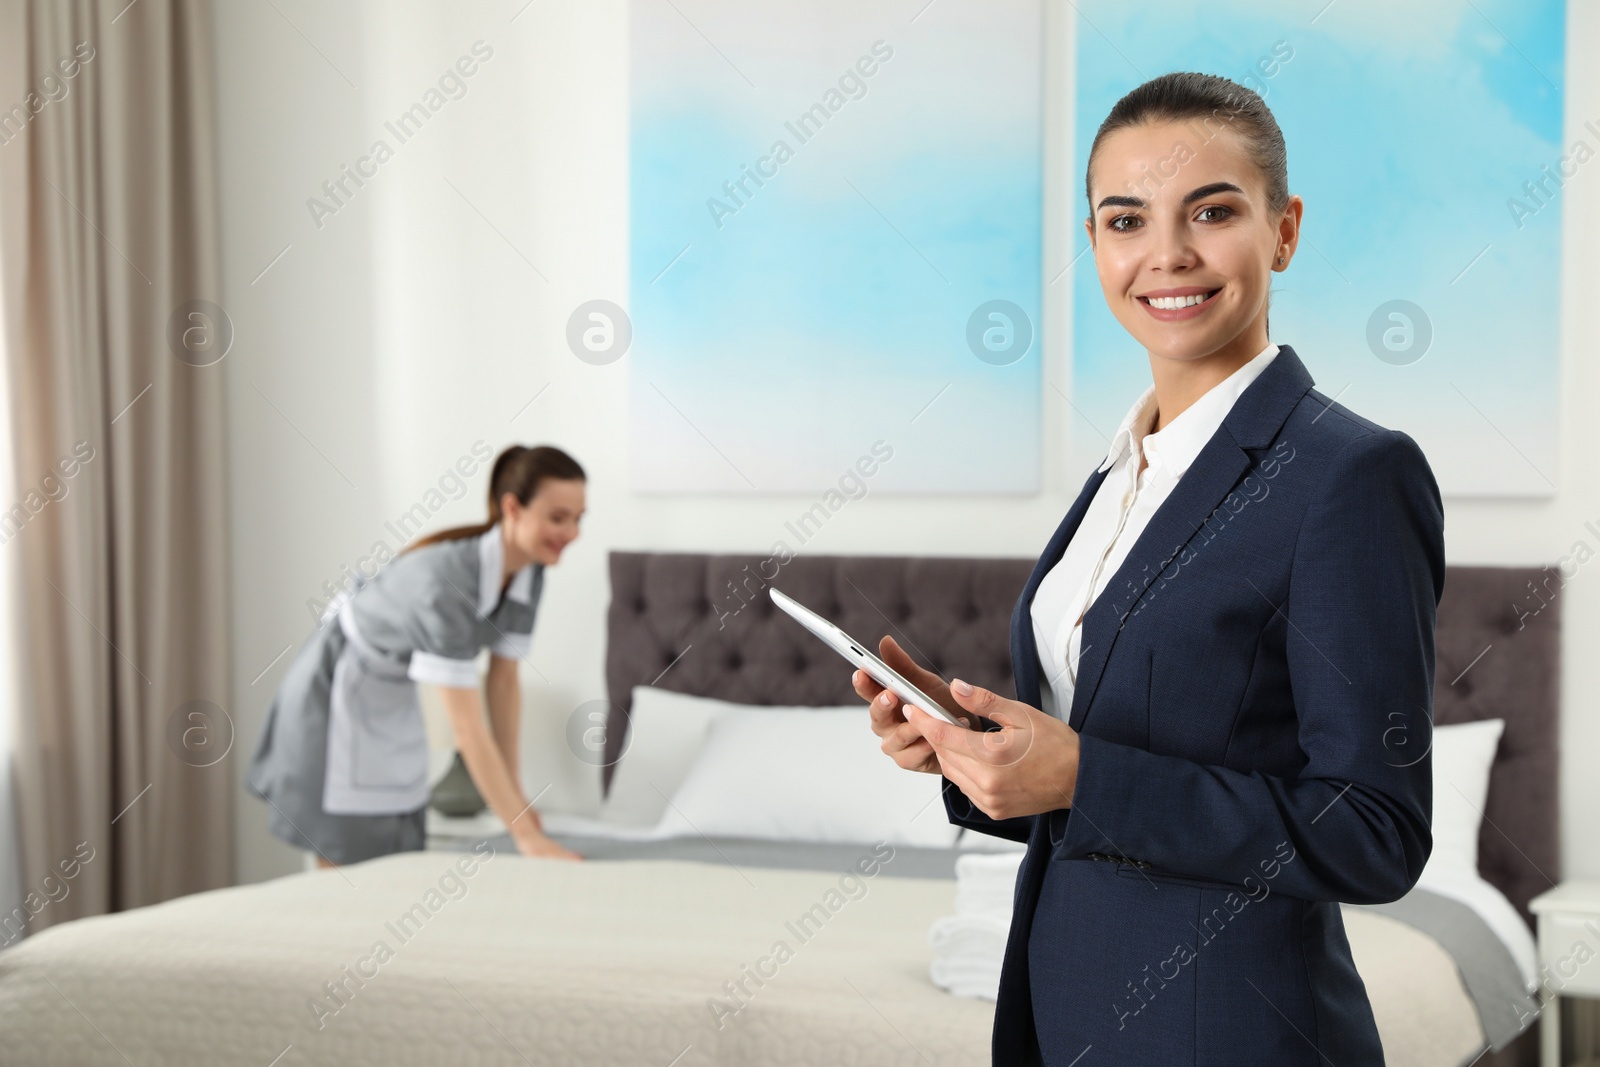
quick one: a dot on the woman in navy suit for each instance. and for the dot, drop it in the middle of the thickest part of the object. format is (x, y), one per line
(1224, 658)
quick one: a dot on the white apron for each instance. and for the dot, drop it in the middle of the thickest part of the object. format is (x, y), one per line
(377, 745)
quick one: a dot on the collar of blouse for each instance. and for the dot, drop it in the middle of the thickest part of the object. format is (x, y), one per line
(1174, 447)
(491, 562)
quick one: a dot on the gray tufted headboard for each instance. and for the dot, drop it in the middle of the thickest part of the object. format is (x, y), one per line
(703, 624)
(1499, 656)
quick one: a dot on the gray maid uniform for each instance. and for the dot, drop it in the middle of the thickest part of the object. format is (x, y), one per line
(343, 757)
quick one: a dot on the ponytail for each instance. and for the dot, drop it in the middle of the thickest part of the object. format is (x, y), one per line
(518, 470)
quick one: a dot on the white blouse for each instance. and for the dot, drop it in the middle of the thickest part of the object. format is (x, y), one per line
(1119, 512)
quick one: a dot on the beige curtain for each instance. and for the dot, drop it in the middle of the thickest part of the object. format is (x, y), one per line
(116, 539)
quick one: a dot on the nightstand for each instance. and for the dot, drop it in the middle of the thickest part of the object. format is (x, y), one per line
(1569, 955)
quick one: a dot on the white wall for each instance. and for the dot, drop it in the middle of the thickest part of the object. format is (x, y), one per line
(384, 344)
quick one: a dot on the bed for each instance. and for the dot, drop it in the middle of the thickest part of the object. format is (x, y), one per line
(666, 951)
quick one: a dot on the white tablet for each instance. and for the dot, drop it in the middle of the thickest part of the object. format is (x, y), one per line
(857, 653)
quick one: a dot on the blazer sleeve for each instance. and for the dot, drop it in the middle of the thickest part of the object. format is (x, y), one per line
(1368, 571)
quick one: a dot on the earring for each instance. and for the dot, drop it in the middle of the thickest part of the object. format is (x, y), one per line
(1280, 259)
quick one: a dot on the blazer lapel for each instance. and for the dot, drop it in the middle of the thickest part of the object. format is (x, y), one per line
(1208, 480)
(1252, 423)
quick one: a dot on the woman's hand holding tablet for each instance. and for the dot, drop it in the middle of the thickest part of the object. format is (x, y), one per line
(902, 741)
(1027, 766)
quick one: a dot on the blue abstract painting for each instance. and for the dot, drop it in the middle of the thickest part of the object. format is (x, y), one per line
(835, 245)
(1426, 138)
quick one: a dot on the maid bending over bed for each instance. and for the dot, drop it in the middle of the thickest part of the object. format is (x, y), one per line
(343, 757)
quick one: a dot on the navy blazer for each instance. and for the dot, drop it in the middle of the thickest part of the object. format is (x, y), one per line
(1254, 703)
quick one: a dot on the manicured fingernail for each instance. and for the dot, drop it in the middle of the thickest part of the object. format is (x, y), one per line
(885, 698)
(961, 688)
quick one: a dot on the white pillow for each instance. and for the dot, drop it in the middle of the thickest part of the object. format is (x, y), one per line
(666, 730)
(805, 774)
(1462, 755)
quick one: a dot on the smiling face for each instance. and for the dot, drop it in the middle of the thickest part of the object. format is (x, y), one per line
(545, 525)
(1184, 241)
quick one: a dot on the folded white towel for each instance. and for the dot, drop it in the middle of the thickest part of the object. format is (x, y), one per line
(967, 953)
(986, 882)
(970, 946)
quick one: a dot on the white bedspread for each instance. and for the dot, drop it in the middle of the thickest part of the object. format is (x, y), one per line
(541, 962)
(1425, 1015)
(538, 962)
